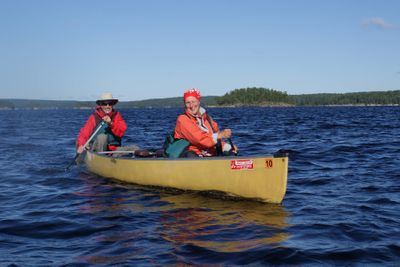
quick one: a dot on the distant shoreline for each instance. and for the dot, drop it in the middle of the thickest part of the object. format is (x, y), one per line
(230, 106)
(244, 97)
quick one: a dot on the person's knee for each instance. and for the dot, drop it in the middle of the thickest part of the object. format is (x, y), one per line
(100, 143)
(102, 138)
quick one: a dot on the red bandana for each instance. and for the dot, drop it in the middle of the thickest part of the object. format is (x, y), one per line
(191, 92)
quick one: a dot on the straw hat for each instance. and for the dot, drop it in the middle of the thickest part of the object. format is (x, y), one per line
(106, 97)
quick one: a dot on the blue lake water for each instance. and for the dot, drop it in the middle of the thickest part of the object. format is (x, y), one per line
(342, 205)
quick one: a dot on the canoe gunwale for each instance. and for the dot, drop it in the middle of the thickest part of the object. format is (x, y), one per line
(194, 159)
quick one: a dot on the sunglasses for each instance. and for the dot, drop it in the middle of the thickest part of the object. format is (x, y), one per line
(105, 103)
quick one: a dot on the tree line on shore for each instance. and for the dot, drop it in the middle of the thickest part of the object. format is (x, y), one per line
(269, 97)
(360, 98)
(254, 96)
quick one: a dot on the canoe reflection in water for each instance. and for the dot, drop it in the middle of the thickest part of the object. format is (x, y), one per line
(223, 225)
(136, 224)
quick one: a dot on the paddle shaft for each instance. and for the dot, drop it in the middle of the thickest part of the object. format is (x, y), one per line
(94, 134)
(87, 143)
(233, 147)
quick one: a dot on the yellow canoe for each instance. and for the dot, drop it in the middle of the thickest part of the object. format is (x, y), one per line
(259, 177)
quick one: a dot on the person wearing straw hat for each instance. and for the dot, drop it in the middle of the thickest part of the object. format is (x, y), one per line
(113, 126)
(200, 130)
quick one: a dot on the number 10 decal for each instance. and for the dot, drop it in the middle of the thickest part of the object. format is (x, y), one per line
(268, 163)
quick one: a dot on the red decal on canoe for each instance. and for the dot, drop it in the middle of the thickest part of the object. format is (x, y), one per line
(240, 164)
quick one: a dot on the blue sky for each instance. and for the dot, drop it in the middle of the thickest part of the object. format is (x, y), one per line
(74, 50)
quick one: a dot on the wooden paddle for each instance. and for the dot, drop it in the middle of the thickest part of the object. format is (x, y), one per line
(85, 145)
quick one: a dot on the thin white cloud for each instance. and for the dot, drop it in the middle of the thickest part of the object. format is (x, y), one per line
(378, 23)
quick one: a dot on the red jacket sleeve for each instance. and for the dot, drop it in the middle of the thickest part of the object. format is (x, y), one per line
(86, 131)
(118, 125)
(188, 129)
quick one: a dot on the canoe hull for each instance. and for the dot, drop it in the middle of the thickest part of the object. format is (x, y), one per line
(263, 178)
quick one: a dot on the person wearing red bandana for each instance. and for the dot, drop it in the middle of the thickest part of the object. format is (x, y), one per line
(110, 134)
(200, 129)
